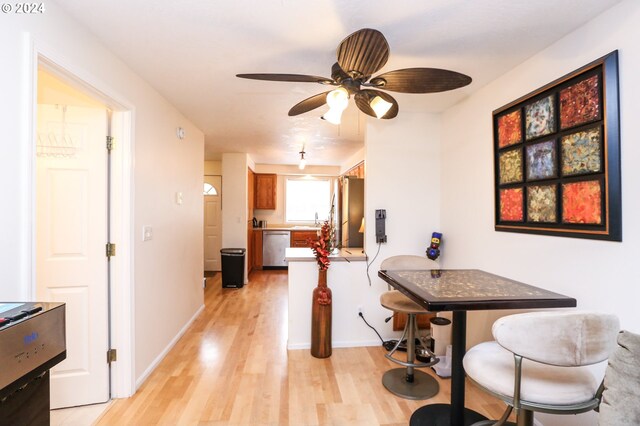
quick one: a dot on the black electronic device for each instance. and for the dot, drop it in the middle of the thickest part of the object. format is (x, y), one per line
(381, 236)
(32, 340)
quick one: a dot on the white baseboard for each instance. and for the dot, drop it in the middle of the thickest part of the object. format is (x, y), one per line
(166, 350)
(348, 344)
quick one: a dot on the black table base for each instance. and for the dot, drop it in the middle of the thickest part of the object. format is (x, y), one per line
(440, 415)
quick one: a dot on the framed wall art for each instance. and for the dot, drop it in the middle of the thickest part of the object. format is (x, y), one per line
(557, 157)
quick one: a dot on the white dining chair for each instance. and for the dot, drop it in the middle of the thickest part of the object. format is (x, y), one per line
(550, 362)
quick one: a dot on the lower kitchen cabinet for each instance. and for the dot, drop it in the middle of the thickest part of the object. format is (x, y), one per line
(300, 238)
(257, 249)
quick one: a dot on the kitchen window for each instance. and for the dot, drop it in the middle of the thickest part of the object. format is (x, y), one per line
(306, 198)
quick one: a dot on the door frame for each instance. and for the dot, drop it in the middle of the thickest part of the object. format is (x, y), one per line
(219, 190)
(38, 52)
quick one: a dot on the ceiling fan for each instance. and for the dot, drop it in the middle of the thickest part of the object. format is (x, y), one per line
(359, 56)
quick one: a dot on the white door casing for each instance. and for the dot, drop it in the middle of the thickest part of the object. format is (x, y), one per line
(212, 225)
(71, 228)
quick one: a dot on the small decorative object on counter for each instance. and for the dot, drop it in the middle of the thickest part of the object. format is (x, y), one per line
(434, 249)
(321, 310)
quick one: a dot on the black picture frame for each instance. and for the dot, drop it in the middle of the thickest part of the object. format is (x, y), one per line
(579, 113)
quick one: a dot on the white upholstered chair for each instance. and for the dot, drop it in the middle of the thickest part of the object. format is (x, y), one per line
(550, 362)
(407, 382)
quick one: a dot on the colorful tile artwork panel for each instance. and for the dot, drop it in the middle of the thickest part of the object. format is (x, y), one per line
(582, 202)
(540, 118)
(541, 160)
(510, 163)
(580, 103)
(581, 153)
(511, 201)
(542, 203)
(510, 129)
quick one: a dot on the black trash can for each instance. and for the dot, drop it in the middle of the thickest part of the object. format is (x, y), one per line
(232, 267)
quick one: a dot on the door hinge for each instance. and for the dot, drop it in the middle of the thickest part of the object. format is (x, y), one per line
(112, 356)
(109, 143)
(111, 249)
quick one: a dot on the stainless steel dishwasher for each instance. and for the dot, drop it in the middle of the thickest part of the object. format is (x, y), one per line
(273, 245)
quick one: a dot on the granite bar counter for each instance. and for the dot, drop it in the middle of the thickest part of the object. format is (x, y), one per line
(346, 277)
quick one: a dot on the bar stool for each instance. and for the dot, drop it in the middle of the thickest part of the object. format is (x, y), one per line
(407, 382)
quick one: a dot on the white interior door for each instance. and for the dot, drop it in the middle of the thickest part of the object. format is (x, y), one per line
(212, 224)
(71, 229)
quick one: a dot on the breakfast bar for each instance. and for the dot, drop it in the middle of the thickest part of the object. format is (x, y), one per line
(344, 277)
(461, 291)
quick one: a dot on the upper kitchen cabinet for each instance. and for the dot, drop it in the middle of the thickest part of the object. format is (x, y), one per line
(265, 191)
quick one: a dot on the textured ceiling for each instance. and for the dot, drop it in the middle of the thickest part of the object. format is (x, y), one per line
(191, 50)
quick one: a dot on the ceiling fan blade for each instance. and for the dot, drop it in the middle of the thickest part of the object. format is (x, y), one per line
(420, 80)
(363, 101)
(337, 73)
(300, 78)
(363, 53)
(308, 104)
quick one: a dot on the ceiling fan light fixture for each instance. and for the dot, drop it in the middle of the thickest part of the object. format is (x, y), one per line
(333, 116)
(380, 106)
(338, 98)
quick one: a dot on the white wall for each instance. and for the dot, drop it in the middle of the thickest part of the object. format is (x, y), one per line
(402, 158)
(347, 283)
(213, 167)
(602, 276)
(167, 270)
(352, 161)
(234, 200)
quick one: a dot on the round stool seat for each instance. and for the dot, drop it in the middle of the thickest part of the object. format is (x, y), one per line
(398, 302)
(492, 367)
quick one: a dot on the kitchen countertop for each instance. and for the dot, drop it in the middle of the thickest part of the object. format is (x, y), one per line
(291, 228)
(305, 254)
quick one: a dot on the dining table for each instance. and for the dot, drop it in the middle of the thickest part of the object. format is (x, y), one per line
(459, 291)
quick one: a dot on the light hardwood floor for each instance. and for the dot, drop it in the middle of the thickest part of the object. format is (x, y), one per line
(232, 367)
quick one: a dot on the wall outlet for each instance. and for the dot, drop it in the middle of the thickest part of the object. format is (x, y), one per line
(359, 309)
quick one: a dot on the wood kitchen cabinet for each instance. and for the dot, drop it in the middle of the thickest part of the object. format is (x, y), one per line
(299, 238)
(265, 191)
(257, 249)
(400, 319)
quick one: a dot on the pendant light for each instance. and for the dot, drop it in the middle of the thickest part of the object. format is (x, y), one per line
(303, 162)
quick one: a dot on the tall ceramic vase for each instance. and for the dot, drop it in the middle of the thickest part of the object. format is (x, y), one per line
(321, 318)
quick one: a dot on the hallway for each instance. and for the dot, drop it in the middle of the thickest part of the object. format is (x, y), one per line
(232, 368)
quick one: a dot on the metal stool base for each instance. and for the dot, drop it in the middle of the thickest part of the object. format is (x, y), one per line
(423, 386)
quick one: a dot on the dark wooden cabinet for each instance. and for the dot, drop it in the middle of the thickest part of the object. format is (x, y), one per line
(265, 191)
(299, 238)
(400, 319)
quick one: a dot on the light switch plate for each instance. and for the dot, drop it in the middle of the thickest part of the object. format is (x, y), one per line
(147, 233)
(179, 198)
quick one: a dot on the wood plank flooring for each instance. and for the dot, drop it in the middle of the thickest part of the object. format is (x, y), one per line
(232, 367)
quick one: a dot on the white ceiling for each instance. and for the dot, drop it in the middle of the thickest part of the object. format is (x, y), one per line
(191, 50)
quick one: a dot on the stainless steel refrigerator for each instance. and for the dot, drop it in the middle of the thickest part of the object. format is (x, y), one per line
(352, 212)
